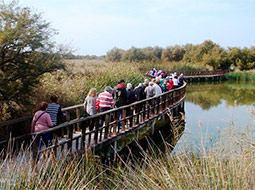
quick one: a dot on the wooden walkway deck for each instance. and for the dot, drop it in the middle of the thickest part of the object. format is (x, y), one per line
(73, 135)
(201, 75)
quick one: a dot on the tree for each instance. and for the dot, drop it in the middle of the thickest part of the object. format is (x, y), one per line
(133, 54)
(114, 55)
(26, 52)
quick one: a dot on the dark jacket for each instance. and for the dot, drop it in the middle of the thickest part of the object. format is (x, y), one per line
(139, 93)
(120, 96)
(181, 79)
(130, 96)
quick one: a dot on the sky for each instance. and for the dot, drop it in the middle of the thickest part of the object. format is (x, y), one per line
(93, 27)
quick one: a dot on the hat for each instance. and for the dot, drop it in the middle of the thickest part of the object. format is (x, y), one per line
(121, 81)
(151, 83)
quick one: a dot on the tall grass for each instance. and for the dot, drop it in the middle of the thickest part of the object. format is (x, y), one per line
(172, 66)
(241, 75)
(229, 164)
(73, 84)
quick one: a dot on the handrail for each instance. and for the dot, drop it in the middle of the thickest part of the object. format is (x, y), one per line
(200, 73)
(30, 117)
(82, 119)
(134, 115)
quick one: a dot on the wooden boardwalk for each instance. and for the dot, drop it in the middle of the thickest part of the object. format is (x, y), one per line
(201, 75)
(73, 135)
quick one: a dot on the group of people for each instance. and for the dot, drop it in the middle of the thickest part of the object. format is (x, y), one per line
(48, 115)
(121, 95)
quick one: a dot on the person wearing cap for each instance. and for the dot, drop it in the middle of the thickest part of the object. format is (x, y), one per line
(120, 94)
(120, 98)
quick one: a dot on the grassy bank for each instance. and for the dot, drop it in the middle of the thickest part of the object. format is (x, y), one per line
(241, 75)
(229, 164)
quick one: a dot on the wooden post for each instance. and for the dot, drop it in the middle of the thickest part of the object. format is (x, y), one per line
(107, 121)
(83, 131)
(96, 131)
(124, 122)
(68, 116)
(55, 142)
(115, 123)
(78, 116)
(70, 137)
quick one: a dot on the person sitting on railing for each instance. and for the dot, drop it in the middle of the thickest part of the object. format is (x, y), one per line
(90, 106)
(54, 109)
(105, 101)
(42, 121)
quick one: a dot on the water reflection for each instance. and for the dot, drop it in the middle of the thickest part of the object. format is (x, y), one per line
(208, 95)
(213, 107)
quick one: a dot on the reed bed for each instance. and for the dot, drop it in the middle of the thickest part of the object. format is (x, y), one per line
(73, 84)
(227, 164)
(241, 75)
(172, 66)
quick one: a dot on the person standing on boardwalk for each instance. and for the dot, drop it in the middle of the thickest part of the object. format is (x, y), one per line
(120, 97)
(130, 99)
(105, 101)
(90, 106)
(139, 92)
(149, 90)
(157, 87)
(171, 83)
(181, 80)
(175, 80)
(54, 109)
(42, 121)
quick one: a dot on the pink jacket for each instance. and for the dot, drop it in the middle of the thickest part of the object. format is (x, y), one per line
(43, 123)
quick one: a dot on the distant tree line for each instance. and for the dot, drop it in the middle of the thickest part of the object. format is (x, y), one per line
(208, 53)
(87, 57)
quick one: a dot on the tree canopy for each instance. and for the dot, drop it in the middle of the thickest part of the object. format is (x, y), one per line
(207, 53)
(26, 52)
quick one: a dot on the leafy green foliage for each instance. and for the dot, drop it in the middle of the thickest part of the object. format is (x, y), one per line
(209, 54)
(26, 52)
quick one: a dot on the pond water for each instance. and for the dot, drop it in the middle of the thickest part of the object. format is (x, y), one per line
(213, 107)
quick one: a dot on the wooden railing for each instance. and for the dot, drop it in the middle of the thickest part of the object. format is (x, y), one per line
(134, 116)
(21, 127)
(200, 73)
(204, 73)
